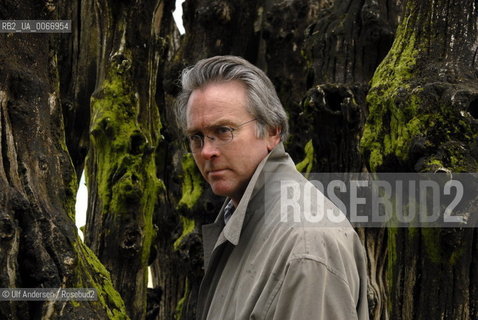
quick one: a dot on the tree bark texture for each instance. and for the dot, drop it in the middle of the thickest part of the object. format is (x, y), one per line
(124, 134)
(102, 99)
(78, 53)
(39, 244)
(422, 105)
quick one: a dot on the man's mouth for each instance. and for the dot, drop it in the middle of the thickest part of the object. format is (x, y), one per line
(215, 171)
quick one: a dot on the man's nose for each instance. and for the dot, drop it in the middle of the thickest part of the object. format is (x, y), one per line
(209, 148)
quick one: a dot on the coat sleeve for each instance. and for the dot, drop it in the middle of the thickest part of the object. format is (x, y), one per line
(311, 291)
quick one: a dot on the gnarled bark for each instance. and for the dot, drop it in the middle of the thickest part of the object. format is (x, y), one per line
(422, 102)
(39, 246)
(124, 134)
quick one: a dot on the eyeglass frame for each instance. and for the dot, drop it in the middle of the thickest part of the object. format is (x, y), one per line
(214, 139)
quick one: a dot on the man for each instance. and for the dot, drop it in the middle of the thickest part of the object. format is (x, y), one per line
(259, 264)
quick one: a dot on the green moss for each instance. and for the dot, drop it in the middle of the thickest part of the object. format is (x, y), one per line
(434, 162)
(75, 303)
(191, 192)
(125, 165)
(386, 103)
(192, 187)
(121, 164)
(394, 138)
(306, 165)
(92, 274)
(401, 112)
(179, 306)
(114, 121)
(376, 158)
(187, 226)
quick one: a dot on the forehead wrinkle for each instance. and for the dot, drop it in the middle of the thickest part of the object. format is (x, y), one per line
(217, 123)
(207, 109)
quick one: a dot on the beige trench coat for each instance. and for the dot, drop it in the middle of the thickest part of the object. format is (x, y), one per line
(264, 266)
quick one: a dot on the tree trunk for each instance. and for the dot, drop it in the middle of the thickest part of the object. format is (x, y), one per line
(40, 247)
(423, 103)
(124, 134)
(78, 62)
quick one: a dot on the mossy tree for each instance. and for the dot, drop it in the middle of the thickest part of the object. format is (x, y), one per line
(125, 131)
(423, 105)
(39, 243)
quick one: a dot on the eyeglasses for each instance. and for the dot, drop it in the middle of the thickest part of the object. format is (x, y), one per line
(218, 135)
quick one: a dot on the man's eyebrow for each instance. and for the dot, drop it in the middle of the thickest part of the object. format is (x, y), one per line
(220, 122)
(192, 131)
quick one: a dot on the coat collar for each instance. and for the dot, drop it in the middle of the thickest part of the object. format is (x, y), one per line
(216, 233)
(232, 230)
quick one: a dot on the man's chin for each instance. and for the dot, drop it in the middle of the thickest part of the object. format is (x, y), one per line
(220, 190)
(227, 190)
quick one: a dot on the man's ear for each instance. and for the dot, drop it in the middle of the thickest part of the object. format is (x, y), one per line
(273, 138)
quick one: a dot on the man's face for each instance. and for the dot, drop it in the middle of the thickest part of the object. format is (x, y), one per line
(227, 168)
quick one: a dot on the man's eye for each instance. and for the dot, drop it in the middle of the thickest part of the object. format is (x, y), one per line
(222, 132)
(195, 138)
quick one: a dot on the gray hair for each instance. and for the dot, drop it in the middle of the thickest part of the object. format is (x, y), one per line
(263, 102)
